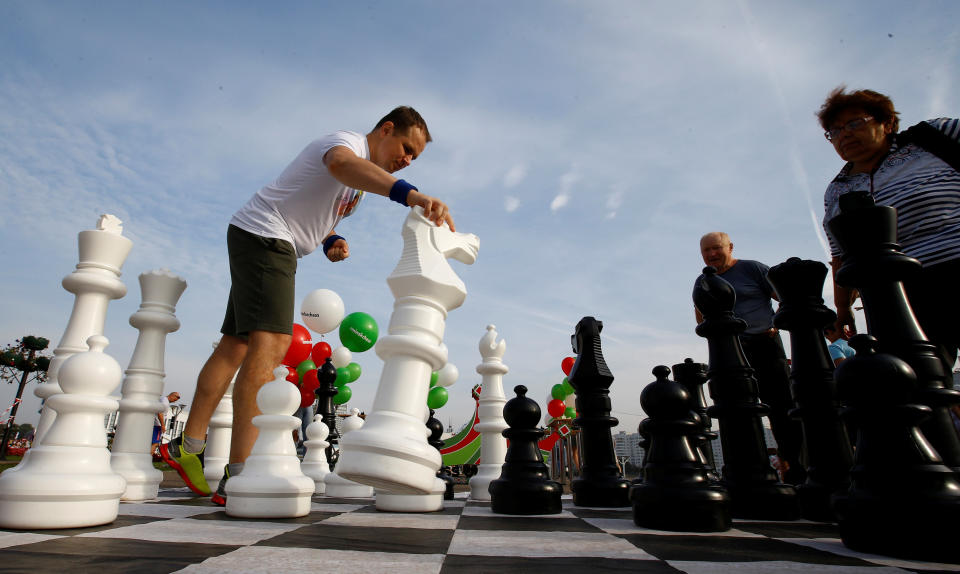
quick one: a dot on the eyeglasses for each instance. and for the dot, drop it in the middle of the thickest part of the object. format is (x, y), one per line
(851, 126)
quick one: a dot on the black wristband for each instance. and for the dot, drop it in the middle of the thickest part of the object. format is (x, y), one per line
(400, 190)
(328, 242)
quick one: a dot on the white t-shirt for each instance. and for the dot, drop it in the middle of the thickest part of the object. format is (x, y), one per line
(306, 202)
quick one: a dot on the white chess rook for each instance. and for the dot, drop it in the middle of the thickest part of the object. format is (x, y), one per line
(314, 462)
(143, 384)
(491, 424)
(94, 282)
(67, 482)
(391, 451)
(219, 434)
(271, 484)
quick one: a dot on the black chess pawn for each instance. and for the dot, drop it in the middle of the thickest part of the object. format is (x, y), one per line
(693, 376)
(747, 474)
(903, 501)
(828, 454)
(524, 486)
(874, 265)
(327, 374)
(676, 493)
(436, 431)
(600, 482)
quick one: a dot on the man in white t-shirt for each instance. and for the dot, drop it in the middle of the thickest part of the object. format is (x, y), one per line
(282, 222)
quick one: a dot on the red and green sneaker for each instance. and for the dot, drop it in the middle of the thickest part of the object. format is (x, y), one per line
(187, 464)
(220, 496)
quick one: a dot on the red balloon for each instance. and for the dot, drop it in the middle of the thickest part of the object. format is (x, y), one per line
(310, 381)
(300, 346)
(321, 352)
(306, 397)
(556, 408)
(567, 364)
(292, 375)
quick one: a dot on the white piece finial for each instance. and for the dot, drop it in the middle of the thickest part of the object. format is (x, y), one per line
(110, 224)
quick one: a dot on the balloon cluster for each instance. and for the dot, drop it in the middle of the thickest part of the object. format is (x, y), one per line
(322, 311)
(557, 406)
(439, 381)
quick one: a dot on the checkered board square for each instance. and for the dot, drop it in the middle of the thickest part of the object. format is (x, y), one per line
(178, 532)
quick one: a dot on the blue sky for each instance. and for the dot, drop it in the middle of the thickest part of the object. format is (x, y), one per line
(588, 144)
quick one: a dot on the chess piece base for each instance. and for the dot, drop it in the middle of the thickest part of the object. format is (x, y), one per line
(681, 509)
(775, 501)
(525, 499)
(253, 497)
(608, 494)
(143, 481)
(336, 486)
(393, 502)
(401, 465)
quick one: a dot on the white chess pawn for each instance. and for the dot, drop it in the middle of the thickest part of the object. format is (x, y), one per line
(314, 462)
(271, 484)
(491, 424)
(68, 482)
(336, 485)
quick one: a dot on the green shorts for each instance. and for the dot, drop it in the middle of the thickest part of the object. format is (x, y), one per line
(262, 274)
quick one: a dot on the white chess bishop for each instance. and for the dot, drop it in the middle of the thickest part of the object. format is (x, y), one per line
(491, 424)
(94, 283)
(143, 384)
(67, 482)
(271, 484)
(391, 451)
(314, 462)
(335, 485)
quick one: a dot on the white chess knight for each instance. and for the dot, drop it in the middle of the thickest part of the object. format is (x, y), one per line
(493, 445)
(143, 384)
(271, 484)
(336, 485)
(391, 451)
(314, 462)
(67, 482)
(94, 282)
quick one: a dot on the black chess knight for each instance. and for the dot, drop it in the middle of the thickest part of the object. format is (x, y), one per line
(600, 482)
(747, 474)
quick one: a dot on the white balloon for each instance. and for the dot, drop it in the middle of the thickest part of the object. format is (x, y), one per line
(322, 310)
(447, 375)
(341, 357)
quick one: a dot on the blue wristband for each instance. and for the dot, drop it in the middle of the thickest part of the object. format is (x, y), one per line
(328, 242)
(400, 190)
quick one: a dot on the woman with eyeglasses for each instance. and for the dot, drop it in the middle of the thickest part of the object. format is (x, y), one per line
(913, 171)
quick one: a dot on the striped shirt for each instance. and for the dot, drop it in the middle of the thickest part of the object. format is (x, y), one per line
(924, 189)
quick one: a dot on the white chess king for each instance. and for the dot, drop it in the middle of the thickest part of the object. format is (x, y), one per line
(391, 451)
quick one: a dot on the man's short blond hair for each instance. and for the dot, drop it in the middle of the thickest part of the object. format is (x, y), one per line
(724, 238)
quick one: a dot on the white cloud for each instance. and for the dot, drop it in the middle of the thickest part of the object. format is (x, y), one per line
(559, 201)
(614, 201)
(511, 203)
(514, 176)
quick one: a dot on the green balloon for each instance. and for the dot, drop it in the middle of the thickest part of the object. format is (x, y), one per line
(306, 365)
(434, 376)
(343, 377)
(354, 370)
(567, 387)
(557, 392)
(570, 413)
(358, 332)
(437, 398)
(343, 395)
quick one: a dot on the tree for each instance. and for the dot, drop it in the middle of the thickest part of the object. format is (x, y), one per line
(21, 361)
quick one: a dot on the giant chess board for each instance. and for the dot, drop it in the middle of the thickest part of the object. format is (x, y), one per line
(179, 532)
